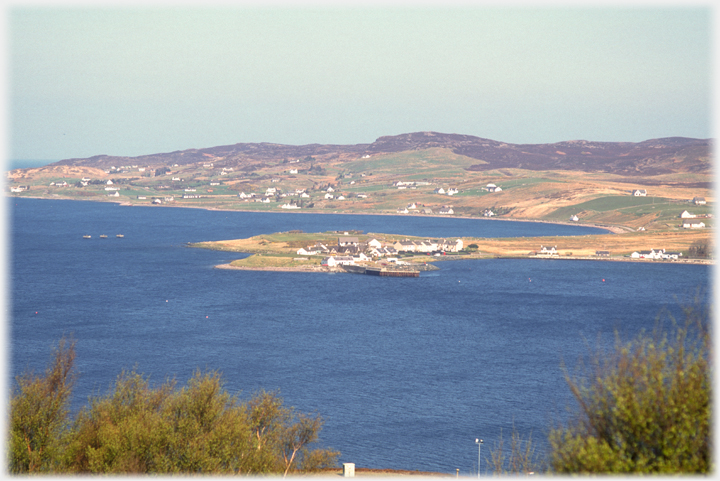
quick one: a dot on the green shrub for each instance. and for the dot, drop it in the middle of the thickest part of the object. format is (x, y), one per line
(644, 407)
(140, 429)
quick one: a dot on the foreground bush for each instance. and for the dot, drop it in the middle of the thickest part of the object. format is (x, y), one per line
(644, 407)
(136, 428)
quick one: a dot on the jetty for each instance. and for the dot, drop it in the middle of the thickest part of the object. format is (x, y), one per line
(386, 271)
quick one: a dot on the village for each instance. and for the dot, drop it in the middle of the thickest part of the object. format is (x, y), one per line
(350, 251)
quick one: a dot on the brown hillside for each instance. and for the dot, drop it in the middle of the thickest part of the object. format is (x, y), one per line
(648, 158)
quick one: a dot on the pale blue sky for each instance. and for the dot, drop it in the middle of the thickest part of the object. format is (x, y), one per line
(83, 81)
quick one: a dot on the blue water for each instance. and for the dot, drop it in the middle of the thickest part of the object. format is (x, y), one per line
(407, 372)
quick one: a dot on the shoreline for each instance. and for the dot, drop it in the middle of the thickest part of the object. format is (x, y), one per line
(611, 229)
(334, 270)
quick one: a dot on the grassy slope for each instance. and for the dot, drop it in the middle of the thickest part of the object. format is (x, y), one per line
(542, 195)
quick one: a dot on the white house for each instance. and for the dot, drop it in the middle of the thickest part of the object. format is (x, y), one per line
(639, 192)
(329, 196)
(574, 218)
(402, 210)
(305, 195)
(333, 261)
(548, 251)
(693, 225)
(109, 182)
(307, 252)
(446, 210)
(341, 197)
(243, 195)
(293, 171)
(699, 201)
(452, 191)
(329, 189)
(289, 206)
(440, 190)
(687, 215)
(374, 243)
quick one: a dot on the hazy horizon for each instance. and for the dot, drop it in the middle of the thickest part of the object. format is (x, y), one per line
(86, 81)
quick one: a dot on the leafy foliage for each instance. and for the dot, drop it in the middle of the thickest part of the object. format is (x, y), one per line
(644, 406)
(138, 429)
(39, 415)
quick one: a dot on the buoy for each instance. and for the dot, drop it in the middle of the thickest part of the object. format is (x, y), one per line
(603, 280)
(206, 317)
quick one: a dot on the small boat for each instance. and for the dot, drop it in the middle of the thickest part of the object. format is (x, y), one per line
(103, 236)
(86, 237)
(120, 235)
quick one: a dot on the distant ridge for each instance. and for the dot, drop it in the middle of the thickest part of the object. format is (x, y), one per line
(650, 157)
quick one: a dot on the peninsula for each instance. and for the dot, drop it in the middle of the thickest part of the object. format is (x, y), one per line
(356, 252)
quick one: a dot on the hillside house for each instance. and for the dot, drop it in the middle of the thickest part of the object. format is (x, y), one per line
(693, 224)
(452, 191)
(699, 201)
(574, 218)
(687, 215)
(440, 190)
(639, 192)
(329, 196)
(289, 206)
(446, 210)
(402, 210)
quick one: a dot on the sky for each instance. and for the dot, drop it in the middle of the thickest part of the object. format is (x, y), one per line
(84, 81)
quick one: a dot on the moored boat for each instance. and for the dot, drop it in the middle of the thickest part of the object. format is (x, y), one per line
(86, 237)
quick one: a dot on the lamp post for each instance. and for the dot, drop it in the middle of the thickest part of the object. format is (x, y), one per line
(479, 442)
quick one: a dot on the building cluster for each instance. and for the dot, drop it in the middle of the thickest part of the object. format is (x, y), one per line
(656, 254)
(350, 250)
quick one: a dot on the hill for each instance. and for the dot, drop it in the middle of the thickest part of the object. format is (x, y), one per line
(421, 173)
(651, 157)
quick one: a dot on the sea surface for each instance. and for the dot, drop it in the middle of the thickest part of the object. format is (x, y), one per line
(406, 372)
